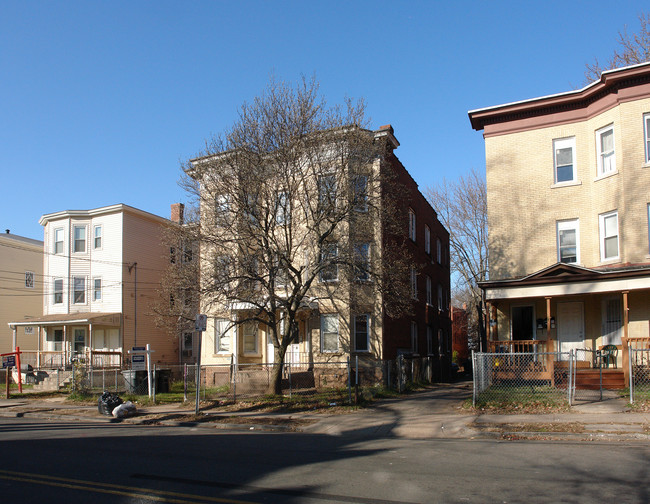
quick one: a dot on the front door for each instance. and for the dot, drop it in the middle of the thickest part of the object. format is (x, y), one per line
(523, 322)
(79, 342)
(570, 326)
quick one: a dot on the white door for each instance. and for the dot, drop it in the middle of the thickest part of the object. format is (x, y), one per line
(570, 326)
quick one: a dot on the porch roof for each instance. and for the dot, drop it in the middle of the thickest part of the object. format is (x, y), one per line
(566, 280)
(111, 319)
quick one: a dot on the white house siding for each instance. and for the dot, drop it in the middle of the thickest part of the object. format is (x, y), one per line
(56, 266)
(17, 256)
(143, 244)
(106, 263)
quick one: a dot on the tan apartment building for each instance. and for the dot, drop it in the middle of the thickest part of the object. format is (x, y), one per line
(568, 185)
(343, 315)
(102, 274)
(21, 288)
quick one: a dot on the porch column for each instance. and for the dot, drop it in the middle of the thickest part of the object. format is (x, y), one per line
(14, 340)
(65, 344)
(550, 344)
(626, 349)
(38, 349)
(90, 342)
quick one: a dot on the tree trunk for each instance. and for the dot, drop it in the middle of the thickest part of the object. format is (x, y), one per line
(275, 385)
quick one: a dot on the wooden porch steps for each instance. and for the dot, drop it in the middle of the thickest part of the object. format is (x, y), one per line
(589, 379)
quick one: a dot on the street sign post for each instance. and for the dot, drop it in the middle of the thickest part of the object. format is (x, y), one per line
(138, 362)
(200, 325)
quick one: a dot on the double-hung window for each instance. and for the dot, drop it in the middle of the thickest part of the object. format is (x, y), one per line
(439, 250)
(362, 333)
(608, 235)
(250, 337)
(427, 240)
(360, 193)
(412, 225)
(282, 208)
(97, 237)
(646, 136)
(79, 238)
(429, 293)
(97, 289)
(329, 266)
(568, 241)
(362, 261)
(327, 193)
(441, 302)
(605, 150)
(29, 279)
(329, 331)
(58, 241)
(221, 336)
(564, 159)
(414, 283)
(58, 291)
(79, 290)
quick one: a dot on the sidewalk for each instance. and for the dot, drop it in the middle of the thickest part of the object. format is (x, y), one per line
(432, 414)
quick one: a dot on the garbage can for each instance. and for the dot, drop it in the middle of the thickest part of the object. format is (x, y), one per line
(163, 380)
(135, 381)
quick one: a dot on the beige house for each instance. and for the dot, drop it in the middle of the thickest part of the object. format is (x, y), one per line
(343, 315)
(21, 286)
(568, 184)
(102, 268)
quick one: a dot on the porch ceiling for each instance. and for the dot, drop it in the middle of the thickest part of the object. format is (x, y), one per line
(111, 319)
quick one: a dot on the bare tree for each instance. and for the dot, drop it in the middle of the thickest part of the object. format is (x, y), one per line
(293, 212)
(633, 49)
(462, 208)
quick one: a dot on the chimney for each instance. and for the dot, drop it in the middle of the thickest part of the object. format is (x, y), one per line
(177, 212)
(387, 127)
(7, 231)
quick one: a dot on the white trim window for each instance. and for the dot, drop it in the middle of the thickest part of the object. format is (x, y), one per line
(29, 279)
(429, 292)
(414, 336)
(58, 291)
(329, 333)
(608, 224)
(564, 160)
(412, 225)
(282, 209)
(646, 136)
(414, 283)
(79, 290)
(362, 333)
(97, 289)
(330, 269)
(362, 262)
(249, 338)
(221, 336)
(79, 238)
(97, 237)
(605, 150)
(427, 239)
(568, 241)
(58, 241)
(360, 193)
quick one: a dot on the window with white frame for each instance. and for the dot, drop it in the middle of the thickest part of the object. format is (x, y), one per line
(79, 290)
(79, 238)
(188, 343)
(608, 235)
(441, 304)
(605, 150)
(568, 241)
(429, 293)
(427, 239)
(250, 337)
(360, 193)
(414, 283)
(97, 237)
(564, 159)
(362, 261)
(362, 333)
(329, 333)
(646, 136)
(58, 291)
(439, 250)
(97, 289)
(282, 208)
(221, 336)
(414, 337)
(58, 241)
(328, 257)
(29, 279)
(412, 225)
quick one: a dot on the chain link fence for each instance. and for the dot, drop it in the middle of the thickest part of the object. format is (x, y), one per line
(526, 378)
(639, 375)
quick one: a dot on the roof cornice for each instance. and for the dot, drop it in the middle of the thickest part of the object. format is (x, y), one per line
(120, 207)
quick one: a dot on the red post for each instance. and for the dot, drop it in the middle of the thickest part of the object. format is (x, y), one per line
(20, 380)
(8, 380)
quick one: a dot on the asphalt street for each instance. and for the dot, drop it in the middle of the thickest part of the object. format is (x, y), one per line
(76, 461)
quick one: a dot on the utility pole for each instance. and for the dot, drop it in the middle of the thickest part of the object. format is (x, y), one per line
(135, 306)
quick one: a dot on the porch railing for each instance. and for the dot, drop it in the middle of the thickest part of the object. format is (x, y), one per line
(517, 346)
(58, 359)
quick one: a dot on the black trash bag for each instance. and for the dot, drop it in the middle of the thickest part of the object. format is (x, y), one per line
(108, 402)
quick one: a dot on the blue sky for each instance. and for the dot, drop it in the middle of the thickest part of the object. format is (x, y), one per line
(100, 101)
